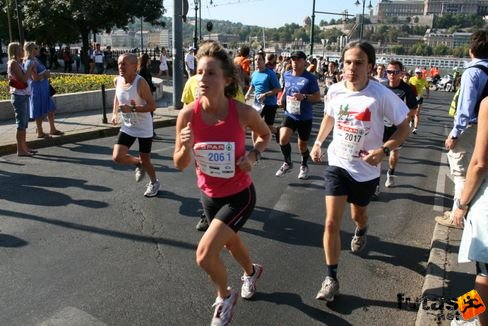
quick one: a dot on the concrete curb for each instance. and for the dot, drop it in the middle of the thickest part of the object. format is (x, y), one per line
(94, 132)
(434, 281)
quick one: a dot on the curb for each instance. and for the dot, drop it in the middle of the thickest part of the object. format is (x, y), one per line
(94, 132)
(435, 274)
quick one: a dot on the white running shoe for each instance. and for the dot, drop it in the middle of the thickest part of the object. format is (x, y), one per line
(303, 172)
(284, 169)
(390, 180)
(224, 309)
(249, 282)
(139, 173)
(152, 189)
(329, 289)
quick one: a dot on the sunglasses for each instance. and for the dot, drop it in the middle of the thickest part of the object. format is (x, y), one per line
(393, 72)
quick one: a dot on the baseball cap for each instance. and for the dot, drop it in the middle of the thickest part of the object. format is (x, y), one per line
(418, 70)
(191, 48)
(298, 54)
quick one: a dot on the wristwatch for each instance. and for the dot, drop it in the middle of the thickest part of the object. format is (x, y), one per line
(386, 150)
(134, 108)
(457, 204)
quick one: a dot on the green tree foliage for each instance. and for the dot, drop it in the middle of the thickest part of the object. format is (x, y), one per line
(67, 20)
(461, 21)
(441, 50)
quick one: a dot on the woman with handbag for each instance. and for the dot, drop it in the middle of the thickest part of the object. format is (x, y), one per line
(20, 93)
(41, 103)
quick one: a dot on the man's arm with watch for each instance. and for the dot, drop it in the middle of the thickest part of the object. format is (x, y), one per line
(313, 98)
(374, 157)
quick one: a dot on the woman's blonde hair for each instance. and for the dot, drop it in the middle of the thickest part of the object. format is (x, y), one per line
(29, 48)
(214, 50)
(14, 50)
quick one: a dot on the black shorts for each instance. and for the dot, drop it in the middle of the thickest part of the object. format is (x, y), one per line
(304, 127)
(340, 183)
(233, 210)
(145, 144)
(269, 113)
(389, 131)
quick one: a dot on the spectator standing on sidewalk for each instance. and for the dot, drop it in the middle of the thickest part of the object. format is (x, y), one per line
(190, 62)
(41, 103)
(301, 90)
(214, 126)
(20, 93)
(134, 100)
(461, 139)
(98, 58)
(163, 64)
(354, 109)
(474, 202)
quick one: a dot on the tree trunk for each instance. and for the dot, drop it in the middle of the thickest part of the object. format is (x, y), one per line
(84, 49)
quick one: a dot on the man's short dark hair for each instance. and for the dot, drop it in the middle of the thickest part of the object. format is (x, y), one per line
(367, 48)
(479, 44)
(396, 63)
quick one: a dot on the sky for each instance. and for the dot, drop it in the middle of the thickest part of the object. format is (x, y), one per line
(271, 13)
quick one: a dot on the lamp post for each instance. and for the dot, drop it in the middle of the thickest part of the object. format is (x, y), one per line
(361, 26)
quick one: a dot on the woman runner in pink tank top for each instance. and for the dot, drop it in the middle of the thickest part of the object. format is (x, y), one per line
(213, 129)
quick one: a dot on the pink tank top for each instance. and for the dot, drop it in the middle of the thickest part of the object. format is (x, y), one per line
(217, 174)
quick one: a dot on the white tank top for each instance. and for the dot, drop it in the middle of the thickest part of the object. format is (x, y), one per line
(135, 124)
(25, 91)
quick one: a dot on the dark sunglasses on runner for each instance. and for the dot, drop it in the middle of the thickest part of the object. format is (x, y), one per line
(393, 72)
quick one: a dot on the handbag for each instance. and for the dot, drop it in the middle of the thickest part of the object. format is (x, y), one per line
(17, 84)
(52, 90)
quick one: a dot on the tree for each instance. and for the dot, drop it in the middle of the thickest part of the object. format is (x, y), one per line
(69, 19)
(441, 50)
(398, 49)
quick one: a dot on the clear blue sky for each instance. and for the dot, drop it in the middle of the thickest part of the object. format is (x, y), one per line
(271, 13)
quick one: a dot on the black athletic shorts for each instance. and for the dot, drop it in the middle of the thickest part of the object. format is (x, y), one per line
(338, 182)
(304, 127)
(233, 210)
(145, 144)
(269, 113)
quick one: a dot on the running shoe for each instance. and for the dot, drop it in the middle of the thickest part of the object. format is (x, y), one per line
(390, 180)
(358, 242)
(139, 172)
(329, 289)
(202, 225)
(224, 309)
(303, 172)
(284, 169)
(414, 131)
(447, 220)
(152, 189)
(249, 282)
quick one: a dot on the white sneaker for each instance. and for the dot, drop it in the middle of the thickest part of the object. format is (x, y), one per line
(390, 180)
(224, 309)
(152, 189)
(284, 169)
(414, 131)
(303, 174)
(249, 282)
(328, 290)
(139, 173)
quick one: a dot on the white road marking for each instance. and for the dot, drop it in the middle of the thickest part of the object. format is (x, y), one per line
(73, 317)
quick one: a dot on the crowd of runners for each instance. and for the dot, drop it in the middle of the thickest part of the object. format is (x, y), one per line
(369, 111)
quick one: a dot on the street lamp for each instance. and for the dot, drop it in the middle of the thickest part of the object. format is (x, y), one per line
(361, 26)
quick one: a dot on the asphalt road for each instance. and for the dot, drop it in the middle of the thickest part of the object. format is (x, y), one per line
(81, 245)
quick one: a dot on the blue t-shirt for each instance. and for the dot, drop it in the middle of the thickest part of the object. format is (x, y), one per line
(264, 81)
(304, 84)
